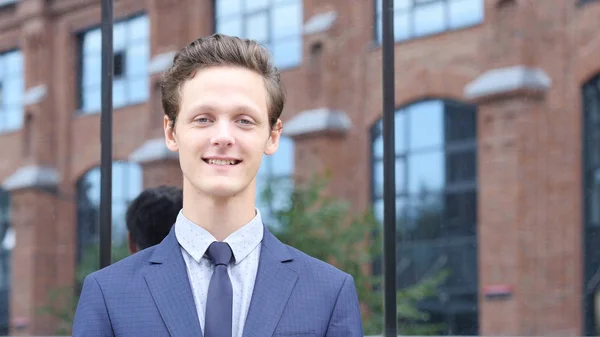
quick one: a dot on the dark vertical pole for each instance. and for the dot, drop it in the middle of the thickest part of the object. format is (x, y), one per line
(389, 166)
(106, 134)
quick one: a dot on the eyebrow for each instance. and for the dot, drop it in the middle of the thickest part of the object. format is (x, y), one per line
(207, 108)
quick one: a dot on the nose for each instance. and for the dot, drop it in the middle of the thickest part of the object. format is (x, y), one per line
(222, 136)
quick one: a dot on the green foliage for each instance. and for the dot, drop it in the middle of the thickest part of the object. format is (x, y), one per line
(328, 229)
(62, 301)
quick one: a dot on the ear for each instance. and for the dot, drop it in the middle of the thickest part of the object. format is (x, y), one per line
(273, 141)
(170, 139)
(133, 248)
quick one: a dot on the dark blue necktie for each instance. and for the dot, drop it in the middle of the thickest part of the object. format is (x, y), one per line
(220, 293)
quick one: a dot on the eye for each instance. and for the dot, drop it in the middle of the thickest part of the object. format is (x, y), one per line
(202, 120)
(245, 121)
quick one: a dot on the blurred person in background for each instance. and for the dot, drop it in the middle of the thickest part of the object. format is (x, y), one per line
(151, 215)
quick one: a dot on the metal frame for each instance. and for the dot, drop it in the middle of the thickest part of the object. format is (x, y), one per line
(389, 167)
(106, 131)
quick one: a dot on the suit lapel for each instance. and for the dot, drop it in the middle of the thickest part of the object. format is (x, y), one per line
(275, 280)
(168, 282)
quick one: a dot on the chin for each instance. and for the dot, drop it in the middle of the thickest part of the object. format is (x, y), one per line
(223, 190)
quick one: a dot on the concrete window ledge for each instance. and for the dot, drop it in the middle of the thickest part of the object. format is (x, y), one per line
(317, 121)
(508, 81)
(153, 150)
(34, 95)
(319, 23)
(32, 177)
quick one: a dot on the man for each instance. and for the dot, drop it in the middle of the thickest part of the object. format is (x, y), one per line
(151, 215)
(220, 272)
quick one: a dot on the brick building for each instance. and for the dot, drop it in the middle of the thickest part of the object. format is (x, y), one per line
(498, 114)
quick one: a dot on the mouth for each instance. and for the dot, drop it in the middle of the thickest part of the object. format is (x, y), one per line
(222, 162)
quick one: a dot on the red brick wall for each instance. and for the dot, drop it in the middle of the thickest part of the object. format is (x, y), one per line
(529, 157)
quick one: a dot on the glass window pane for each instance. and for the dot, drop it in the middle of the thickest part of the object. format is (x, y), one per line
(429, 19)
(139, 28)
(12, 91)
(426, 124)
(402, 4)
(461, 123)
(92, 41)
(231, 27)
(13, 118)
(595, 200)
(282, 194)
(460, 213)
(424, 217)
(287, 21)
(378, 179)
(253, 5)
(137, 89)
(400, 174)
(400, 131)
(378, 210)
(137, 59)
(257, 27)
(119, 36)
(92, 69)
(592, 104)
(119, 93)
(402, 25)
(283, 159)
(13, 62)
(227, 7)
(462, 167)
(378, 29)
(426, 172)
(378, 148)
(91, 99)
(287, 53)
(465, 13)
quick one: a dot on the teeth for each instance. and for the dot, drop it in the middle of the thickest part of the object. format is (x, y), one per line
(221, 162)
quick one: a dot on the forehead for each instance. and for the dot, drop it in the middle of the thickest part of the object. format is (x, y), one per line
(224, 89)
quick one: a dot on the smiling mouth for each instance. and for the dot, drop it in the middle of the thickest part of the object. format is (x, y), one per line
(221, 162)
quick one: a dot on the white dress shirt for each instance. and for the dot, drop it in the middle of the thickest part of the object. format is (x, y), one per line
(245, 245)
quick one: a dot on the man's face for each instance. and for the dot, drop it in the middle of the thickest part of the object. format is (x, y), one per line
(222, 131)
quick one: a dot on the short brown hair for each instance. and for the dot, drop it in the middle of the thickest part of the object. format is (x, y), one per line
(218, 50)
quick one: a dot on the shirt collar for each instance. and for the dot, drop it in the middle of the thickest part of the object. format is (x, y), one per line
(195, 239)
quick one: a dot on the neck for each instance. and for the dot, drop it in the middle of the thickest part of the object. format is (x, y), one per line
(219, 216)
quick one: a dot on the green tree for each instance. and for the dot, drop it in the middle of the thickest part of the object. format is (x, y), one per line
(328, 229)
(62, 301)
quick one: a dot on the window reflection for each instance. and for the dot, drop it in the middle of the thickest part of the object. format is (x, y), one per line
(276, 24)
(126, 185)
(436, 196)
(131, 43)
(274, 181)
(417, 18)
(12, 87)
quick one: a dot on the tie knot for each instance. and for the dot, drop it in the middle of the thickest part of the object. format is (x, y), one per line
(220, 253)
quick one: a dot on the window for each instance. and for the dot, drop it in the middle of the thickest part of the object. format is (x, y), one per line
(12, 87)
(131, 45)
(6, 245)
(436, 204)
(274, 181)
(127, 184)
(418, 18)
(591, 176)
(276, 24)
